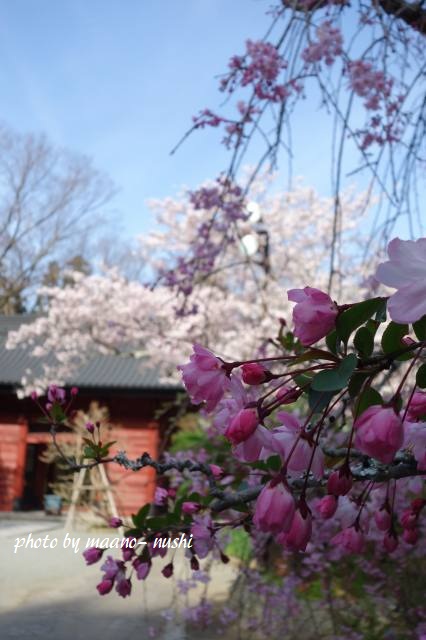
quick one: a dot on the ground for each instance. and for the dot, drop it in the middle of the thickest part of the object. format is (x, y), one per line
(51, 593)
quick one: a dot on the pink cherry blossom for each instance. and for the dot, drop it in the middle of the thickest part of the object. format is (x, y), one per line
(111, 568)
(405, 271)
(142, 570)
(327, 47)
(327, 506)
(314, 315)
(350, 539)
(379, 433)
(255, 447)
(123, 587)
(204, 377)
(417, 406)
(160, 496)
(242, 426)
(410, 536)
(236, 399)
(299, 534)
(56, 394)
(390, 541)
(291, 434)
(383, 519)
(202, 531)
(274, 508)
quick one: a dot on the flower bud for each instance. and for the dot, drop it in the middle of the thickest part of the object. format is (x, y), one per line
(105, 587)
(327, 506)
(124, 587)
(287, 394)
(390, 541)
(408, 519)
(383, 519)
(300, 532)
(410, 536)
(92, 555)
(167, 571)
(254, 373)
(274, 508)
(216, 470)
(90, 427)
(190, 507)
(340, 481)
(242, 426)
(115, 522)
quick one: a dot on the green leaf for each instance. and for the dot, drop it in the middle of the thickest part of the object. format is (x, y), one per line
(368, 398)
(303, 379)
(364, 342)
(287, 340)
(392, 339)
(318, 400)
(57, 412)
(333, 342)
(421, 377)
(139, 518)
(109, 444)
(90, 452)
(419, 328)
(355, 383)
(156, 523)
(335, 379)
(381, 311)
(274, 463)
(356, 316)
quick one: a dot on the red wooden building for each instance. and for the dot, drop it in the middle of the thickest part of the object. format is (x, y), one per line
(130, 390)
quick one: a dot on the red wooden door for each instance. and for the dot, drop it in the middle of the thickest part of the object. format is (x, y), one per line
(13, 441)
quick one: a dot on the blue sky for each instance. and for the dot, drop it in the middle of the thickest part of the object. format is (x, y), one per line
(119, 81)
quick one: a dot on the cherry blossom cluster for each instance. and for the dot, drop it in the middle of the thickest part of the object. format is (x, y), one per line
(328, 45)
(107, 313)
(381, 431)
(224, 204)
(285, 417)
(344, 51)
(260, 68)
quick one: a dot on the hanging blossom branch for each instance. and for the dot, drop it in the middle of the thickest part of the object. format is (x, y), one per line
(368, 58)
(311, 429)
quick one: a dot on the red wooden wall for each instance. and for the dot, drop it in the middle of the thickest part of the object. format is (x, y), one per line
(13, 444)
(133, 489)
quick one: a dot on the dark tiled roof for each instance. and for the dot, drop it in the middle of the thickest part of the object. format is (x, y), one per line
(102, 371)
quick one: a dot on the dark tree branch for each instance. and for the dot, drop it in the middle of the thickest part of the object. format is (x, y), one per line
(413, 14)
